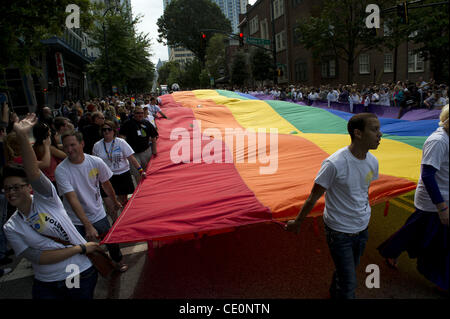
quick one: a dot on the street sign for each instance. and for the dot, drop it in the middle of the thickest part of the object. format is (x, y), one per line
(257, 41)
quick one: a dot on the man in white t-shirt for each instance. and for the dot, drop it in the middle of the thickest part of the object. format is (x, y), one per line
(345, 177)
(41, 231)
(78, 178)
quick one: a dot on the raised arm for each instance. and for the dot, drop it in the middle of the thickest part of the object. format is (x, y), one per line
(30, 163)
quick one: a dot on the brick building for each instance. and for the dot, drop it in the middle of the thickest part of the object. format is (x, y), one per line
(297, 63)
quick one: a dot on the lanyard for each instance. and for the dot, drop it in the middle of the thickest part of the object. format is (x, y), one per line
(109, 154)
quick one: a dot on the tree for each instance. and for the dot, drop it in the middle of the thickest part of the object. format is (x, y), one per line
(339, 29)
(191, 74)
(239, 72)
(431, 28)
(128, 53)
(262, 65)
(170, 73)
(23, 24)
(215, 56)
(183, 20)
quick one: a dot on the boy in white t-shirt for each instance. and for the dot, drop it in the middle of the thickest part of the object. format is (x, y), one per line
(40, 218)
(345, 177)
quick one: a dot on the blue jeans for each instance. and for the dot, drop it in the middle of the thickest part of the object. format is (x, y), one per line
(59, 290)
(102, 227)
(346, 250)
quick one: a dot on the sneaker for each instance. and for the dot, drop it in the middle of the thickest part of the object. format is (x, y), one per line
(5, 261)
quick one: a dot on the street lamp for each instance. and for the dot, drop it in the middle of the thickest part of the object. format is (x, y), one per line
(106, 49)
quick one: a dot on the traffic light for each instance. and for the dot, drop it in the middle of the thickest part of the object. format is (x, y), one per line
(241, 39)
(279, 72)
(402, 12)
(203, 39)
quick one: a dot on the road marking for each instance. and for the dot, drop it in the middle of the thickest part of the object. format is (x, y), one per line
(24, 268)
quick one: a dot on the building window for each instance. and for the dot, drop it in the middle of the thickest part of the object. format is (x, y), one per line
(329, 68)
(415, 62)
(264, 29)
(388, 63)
(278, 8)
(280, 41)
(296, 3)
(364, 64)
(301, 71)
(254, 24)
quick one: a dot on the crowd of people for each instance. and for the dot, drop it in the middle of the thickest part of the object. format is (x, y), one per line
(81, 160)
(405, 95)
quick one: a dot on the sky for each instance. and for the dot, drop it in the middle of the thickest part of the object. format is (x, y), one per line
(151, 10)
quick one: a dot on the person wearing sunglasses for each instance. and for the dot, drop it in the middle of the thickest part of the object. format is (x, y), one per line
(138, 132)
(117, 155)
(40, 224)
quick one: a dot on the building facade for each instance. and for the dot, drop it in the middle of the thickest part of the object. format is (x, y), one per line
(297, 64)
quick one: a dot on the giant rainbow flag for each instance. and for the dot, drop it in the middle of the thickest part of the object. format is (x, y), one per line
(227, 159)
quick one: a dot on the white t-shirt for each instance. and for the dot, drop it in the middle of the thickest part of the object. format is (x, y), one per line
(434, 153)
(347, 181)
(84, 180)
(153, 109)
(48, 217)
(115, 155)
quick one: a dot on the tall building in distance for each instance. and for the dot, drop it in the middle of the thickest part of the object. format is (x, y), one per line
(231, 9)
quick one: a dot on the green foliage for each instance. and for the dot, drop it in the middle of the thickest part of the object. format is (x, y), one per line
(339, 30)
(204, 79)
(239, 69)
(25, 23)
(262, 65)
(215, 55)
(128, 53)
(191, 74)
(182, 21)
(432, 27)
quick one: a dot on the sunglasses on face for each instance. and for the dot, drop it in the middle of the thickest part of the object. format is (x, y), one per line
(107, 129)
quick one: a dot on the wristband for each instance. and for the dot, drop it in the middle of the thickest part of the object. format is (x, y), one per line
(83, 249)
(442, 209)
(140, 169)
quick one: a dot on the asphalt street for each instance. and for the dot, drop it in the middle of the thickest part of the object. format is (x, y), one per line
(259, 261)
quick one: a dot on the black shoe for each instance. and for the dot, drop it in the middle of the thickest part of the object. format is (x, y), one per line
(9, 252)
(5, 261)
